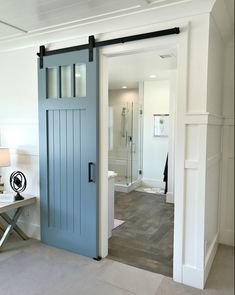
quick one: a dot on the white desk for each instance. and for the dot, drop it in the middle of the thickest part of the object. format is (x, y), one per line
(18, 206)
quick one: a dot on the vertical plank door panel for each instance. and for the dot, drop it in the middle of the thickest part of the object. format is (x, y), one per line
(68, 143)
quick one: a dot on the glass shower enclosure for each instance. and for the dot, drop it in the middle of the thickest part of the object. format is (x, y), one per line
(125, 143)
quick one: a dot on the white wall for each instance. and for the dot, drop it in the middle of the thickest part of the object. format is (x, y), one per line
(227, 189)
(19, 124)
(155, 149)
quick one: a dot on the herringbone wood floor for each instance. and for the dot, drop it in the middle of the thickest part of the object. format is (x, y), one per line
(145, 240)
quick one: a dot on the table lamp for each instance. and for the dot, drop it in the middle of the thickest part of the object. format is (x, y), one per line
(4, 162)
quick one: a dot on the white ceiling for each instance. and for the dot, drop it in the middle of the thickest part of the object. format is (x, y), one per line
(129, 70)
(30, 16)
(25, 19)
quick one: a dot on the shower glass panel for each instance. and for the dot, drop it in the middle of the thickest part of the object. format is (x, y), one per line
(135, 148)
(124, 127)
(119, 142)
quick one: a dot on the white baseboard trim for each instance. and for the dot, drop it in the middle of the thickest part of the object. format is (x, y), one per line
(193, 277)
(170, 197)
(31, 230)
(153, 183)
(135, 185)
(210, 256)
(121, 188)
(226, 237)
(127, 188)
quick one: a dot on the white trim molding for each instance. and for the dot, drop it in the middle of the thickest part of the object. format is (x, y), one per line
(213, 160)
(210, 256)
(181, 42)
(191, 164)
(153, 182)
(203, 118)
(215, 119)
(193, 276)
(196, 118)
(170, 197)
(226, 237)
(228, 121)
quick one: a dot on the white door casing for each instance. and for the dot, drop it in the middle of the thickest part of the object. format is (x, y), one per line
(181, 43)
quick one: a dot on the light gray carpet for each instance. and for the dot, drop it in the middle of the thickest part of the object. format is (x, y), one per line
(31, 268)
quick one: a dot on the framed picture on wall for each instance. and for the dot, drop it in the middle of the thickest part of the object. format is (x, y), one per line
(161, 125)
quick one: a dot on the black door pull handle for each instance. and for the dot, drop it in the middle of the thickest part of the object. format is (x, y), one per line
(91, 172)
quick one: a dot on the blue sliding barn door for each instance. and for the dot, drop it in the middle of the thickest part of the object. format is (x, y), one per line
(68, 124)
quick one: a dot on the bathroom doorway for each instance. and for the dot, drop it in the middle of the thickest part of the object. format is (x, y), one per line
(140, 141)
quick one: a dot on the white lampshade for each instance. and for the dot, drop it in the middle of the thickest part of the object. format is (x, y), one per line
(4, 157)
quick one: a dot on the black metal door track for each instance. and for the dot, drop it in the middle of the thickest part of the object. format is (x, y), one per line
(93, 44)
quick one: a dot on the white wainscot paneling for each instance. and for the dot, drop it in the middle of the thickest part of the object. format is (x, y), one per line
(192, 133)
(212, 203)
(193, 273)
(227, 190)
(212, 185)
(212, 191)
(193, 266)
(229, 220)
(190, 244)
(191, 191)
(213, 142)
(192, 146)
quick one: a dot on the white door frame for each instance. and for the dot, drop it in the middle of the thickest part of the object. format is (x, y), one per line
(181, 43)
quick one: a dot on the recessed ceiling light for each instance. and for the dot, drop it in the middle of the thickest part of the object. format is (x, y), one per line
(124, 87)
(152, 76)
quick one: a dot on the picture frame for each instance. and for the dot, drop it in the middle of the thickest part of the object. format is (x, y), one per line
(161, 125)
